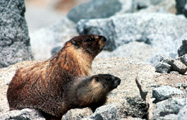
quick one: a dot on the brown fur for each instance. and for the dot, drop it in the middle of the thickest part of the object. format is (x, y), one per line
(43, 85)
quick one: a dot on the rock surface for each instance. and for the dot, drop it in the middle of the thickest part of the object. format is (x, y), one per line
(14, 39)
(126, 98)
(24, 114)
(171, 106)
(165, 92)
(94, 9)
(148, 28)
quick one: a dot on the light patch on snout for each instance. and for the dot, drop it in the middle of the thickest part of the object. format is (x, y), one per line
(96, 37)
(101, 43)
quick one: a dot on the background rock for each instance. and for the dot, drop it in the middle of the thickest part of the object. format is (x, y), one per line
(44, 40)
(157, 30)
(14, 39)
(94, 9)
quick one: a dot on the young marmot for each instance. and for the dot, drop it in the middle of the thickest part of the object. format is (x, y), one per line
(43, 85)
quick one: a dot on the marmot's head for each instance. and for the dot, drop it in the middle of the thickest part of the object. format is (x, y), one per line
(106, 81)
(95, 88)
(91, 44)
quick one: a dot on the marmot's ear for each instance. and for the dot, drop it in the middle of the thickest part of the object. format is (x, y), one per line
(74, 42)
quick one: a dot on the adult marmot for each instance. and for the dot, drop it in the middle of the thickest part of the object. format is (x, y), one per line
(43, 86)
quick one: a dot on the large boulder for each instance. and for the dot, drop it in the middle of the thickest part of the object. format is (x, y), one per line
(14, 39)
(94, 9)
(156, 29)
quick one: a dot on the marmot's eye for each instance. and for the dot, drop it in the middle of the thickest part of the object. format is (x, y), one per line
(97, 79)
(107, 79)
(89, 39)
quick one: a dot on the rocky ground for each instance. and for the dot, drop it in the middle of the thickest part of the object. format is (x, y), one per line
(128, 100)
(146, 47)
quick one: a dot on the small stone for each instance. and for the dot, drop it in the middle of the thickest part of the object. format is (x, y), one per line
(178, 66)
(162, 67)
(165, 92)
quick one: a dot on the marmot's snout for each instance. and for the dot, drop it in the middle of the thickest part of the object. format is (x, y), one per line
(116, 82)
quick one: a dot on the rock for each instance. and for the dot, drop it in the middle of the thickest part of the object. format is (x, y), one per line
(126, 95)
(165, 92)
(183, 48)
(46, 39)
(170, 106)
(168, 117)
(110, 111)
(14, 39)
(160, 6)
(183, 59)
(77, 114)
(181, 6)
(163, 67)
(24, 114)
(55, 50)
(94, 9)
(137, 50)
(126, 28)
(178, 66)
(182, 113)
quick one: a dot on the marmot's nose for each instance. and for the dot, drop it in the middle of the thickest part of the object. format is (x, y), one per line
(103, 38)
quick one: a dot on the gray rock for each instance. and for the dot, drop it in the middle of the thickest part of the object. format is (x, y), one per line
(181, 6)
(14, 39)
(182, 113)
(106, 112)
(168, 117)
(160, 6)
(24, 114)
(165, 92)
(122, 29)
(184, 59)
(178, 66)
(94, 9)
(183, 48)
(163, 67)
(170, 106)
(77, 114)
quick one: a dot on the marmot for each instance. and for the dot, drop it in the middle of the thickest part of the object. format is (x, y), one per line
(43, 86)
